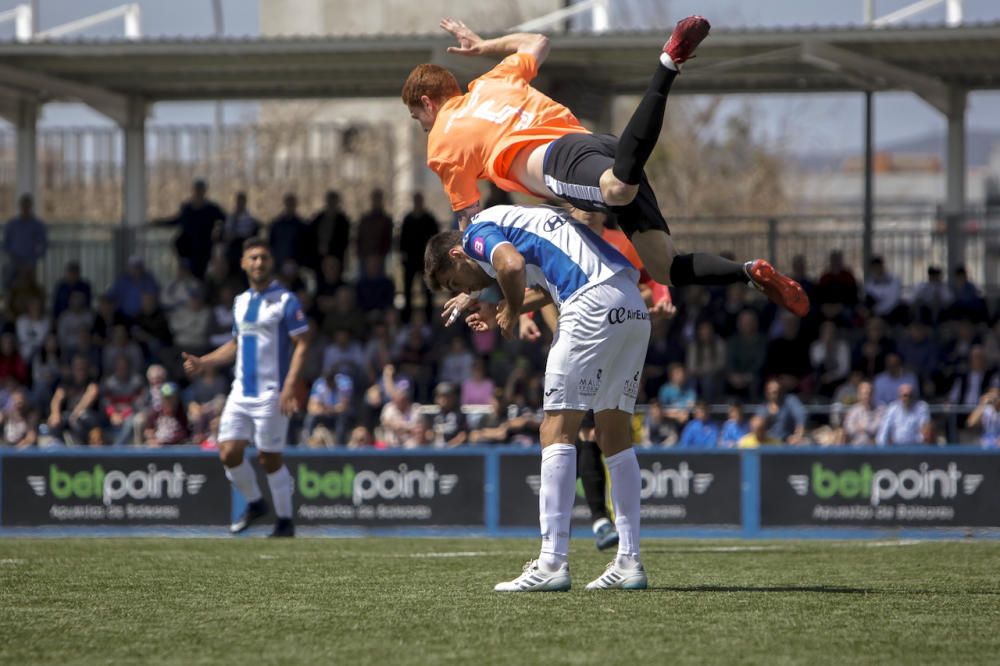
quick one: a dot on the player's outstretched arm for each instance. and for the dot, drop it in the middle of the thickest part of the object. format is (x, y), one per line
(224, 355)
(469, 43)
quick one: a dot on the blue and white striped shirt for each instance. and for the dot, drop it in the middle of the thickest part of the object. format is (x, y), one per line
(264, 323)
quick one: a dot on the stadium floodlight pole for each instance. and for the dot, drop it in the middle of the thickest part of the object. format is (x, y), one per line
(868, 211)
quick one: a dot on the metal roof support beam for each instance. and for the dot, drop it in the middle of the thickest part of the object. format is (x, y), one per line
(878, 73)
(110, 104)
(26, 121)
(134, 189)
(955, 184)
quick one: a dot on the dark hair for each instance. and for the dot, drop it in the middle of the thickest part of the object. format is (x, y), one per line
(252, 243)
(436, 258)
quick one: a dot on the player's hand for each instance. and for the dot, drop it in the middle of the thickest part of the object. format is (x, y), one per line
(288, 402)
(506, 320)
(483, 319)
(528, 329)
(458, 304)
(664, 309)
(192, 364)
(468, 41)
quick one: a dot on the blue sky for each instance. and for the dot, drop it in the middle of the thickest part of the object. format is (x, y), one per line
(803, 124)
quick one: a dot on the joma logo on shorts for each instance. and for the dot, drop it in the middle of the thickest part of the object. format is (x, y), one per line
(622, 315)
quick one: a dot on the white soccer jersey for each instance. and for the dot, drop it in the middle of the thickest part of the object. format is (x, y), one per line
(561, 255)
(264, 324)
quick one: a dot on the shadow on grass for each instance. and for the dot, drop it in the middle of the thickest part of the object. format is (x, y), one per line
(784, 589)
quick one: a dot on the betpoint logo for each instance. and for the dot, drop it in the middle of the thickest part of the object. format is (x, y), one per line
(658, 482)
(140, 484)
(366, 485)
(881, 485)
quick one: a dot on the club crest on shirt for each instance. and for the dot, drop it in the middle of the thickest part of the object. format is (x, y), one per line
(479, 246)
(299, 315)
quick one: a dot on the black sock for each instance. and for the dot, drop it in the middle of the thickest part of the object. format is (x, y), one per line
(706, 269)
(643, 130)
(590, 469)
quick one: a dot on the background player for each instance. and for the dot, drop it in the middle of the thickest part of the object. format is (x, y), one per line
(269, 345)
(506, 131)
(594, 362)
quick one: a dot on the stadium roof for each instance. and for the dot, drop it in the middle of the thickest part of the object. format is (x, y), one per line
(104, 73)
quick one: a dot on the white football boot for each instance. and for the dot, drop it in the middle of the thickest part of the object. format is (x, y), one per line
(616, 577)
(533, 579)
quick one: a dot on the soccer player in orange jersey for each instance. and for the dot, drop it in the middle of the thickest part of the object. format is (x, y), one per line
(507, 132)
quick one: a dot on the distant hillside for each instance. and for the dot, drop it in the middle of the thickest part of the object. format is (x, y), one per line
(979, 144)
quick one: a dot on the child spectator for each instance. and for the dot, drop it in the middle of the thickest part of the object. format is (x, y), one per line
(167, 425)
(734, 428)
(699, 432)
(20, 422)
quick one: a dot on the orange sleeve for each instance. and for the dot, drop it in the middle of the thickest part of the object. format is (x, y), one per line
(459, 183)
(521, 66)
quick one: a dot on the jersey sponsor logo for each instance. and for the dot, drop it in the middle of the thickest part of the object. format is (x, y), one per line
(622, 315)
(554, 223)
(479, 246)
(299, 315)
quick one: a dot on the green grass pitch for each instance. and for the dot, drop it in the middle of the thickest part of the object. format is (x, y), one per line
(430, 601)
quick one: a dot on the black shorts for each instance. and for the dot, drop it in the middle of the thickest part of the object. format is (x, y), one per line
(573, 168)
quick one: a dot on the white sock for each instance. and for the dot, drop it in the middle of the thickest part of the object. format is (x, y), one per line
(555, 503)
(243, 478)
(281, 492)
(599, 523)
(668, 62)
(626, 484)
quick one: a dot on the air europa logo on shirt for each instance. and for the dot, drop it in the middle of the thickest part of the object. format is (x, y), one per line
(622, 315)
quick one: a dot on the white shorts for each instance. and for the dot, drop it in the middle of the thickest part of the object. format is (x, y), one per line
(597, 356)
(255, 420)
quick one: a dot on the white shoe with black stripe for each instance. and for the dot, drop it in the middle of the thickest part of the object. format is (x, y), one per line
(616, 577)
(533, 579)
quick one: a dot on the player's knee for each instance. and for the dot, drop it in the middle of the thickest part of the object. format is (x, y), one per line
(615, 192)
(230, 454)
(271, 462)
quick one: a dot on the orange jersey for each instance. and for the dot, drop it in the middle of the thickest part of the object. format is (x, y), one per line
(477, 135)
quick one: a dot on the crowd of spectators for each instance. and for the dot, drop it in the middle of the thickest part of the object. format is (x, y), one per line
(726, 370)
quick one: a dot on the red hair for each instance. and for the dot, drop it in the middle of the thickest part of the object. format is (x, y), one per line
(433, 81)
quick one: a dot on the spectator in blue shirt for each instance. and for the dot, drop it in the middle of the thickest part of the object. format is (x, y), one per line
(888, 382)
(128, 289)
(907, 421)
(987, 414)
(700, 432)
(25, 238)
(785, 412)
(330, 406)
(374, 290)
(677, 392)
(734, 428)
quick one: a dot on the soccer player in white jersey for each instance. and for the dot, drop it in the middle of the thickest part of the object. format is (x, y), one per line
(269, 346)
(594, 362)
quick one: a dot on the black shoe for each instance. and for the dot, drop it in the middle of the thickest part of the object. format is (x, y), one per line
(284, 527)
(253, 511)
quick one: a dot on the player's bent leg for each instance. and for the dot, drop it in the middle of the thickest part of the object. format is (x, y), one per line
(272, 430)
(241, 474)
(657, 250)
(616, 192)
